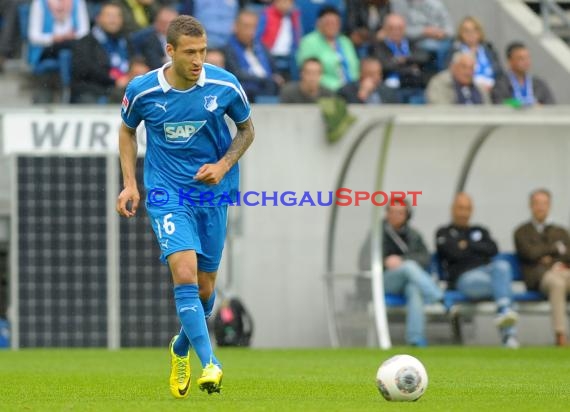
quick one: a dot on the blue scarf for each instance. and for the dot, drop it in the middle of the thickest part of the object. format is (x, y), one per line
(116, 49)
(402, 50)
(483, 66)
(343, 62)
(524, 94)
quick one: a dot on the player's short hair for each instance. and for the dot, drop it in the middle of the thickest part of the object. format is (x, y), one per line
(184, 25)
(540, 191)
(513, 47)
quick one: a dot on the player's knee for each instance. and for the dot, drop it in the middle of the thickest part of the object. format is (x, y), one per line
(184, 274)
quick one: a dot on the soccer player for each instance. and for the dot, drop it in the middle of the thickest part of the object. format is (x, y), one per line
(190, 175)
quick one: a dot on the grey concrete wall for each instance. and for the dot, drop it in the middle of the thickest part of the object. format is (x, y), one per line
(508, 20)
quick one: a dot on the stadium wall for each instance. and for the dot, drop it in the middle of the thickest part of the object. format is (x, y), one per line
(278, 252)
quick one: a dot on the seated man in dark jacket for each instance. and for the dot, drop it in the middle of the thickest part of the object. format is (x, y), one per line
(369, 88)
(405, 261)
(405, 66)
(544, 252)
(466, 254)
(101, 61)
(150, 43)
(517, 84)
(250, 61)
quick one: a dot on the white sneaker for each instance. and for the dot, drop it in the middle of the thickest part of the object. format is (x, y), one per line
(511, 342)
(506, 319)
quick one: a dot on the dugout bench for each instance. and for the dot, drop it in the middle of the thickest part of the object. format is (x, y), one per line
(457, 307)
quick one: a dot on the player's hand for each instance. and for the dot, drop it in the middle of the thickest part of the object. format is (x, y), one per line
(212, 173)
(128, 194)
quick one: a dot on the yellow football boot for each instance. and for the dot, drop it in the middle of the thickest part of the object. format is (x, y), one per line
(211, 379)
(179, 373)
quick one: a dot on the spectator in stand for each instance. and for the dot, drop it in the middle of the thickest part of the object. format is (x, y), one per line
(310, 10)
(10, 41)
(405, 66)
(406, 260)
(364, 22)
(150, 43)
(138, 14)
(456, 86)
(429, 25)
(369, 88)
(217, 17)
(334, 50)
(544, 252)
(53, 29)
(279, 30)
(250, 61)
(101, 66)
(216, 57)
(466, 253)
(308, 89)
(471, 39)
(517, 85)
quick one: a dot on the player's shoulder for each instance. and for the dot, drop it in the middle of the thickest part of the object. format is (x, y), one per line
(144, 83)
(218, 75)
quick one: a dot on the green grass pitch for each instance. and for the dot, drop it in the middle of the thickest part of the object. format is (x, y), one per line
(460, 379)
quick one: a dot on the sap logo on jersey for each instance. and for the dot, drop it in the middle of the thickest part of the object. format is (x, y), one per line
(181, 132)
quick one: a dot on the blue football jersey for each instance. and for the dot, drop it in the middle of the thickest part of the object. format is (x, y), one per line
(186, 129)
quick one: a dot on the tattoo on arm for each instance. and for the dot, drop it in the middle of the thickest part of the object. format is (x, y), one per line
(244, 138)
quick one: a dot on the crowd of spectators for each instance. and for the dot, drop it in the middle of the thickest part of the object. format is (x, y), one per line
(367, 51)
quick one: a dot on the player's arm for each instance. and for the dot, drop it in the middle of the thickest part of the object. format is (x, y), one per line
(214, 173)
(128, 156)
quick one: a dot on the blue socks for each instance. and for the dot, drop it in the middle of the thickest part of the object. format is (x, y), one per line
(182, 344)
(191, 313)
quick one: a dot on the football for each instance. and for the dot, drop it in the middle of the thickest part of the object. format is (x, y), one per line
(402, 378)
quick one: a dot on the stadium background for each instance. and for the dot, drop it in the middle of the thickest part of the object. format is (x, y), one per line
(57, 206)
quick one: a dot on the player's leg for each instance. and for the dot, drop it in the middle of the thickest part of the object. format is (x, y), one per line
(176, 233)
(212, 223)
(207, 284)
(183, 266)
(207, 291)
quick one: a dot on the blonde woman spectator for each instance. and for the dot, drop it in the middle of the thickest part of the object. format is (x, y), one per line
(471, 38)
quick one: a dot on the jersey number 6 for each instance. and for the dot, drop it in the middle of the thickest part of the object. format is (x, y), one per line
(167, 225)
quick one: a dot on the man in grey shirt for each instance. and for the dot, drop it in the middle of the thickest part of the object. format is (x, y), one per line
(308, 89)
